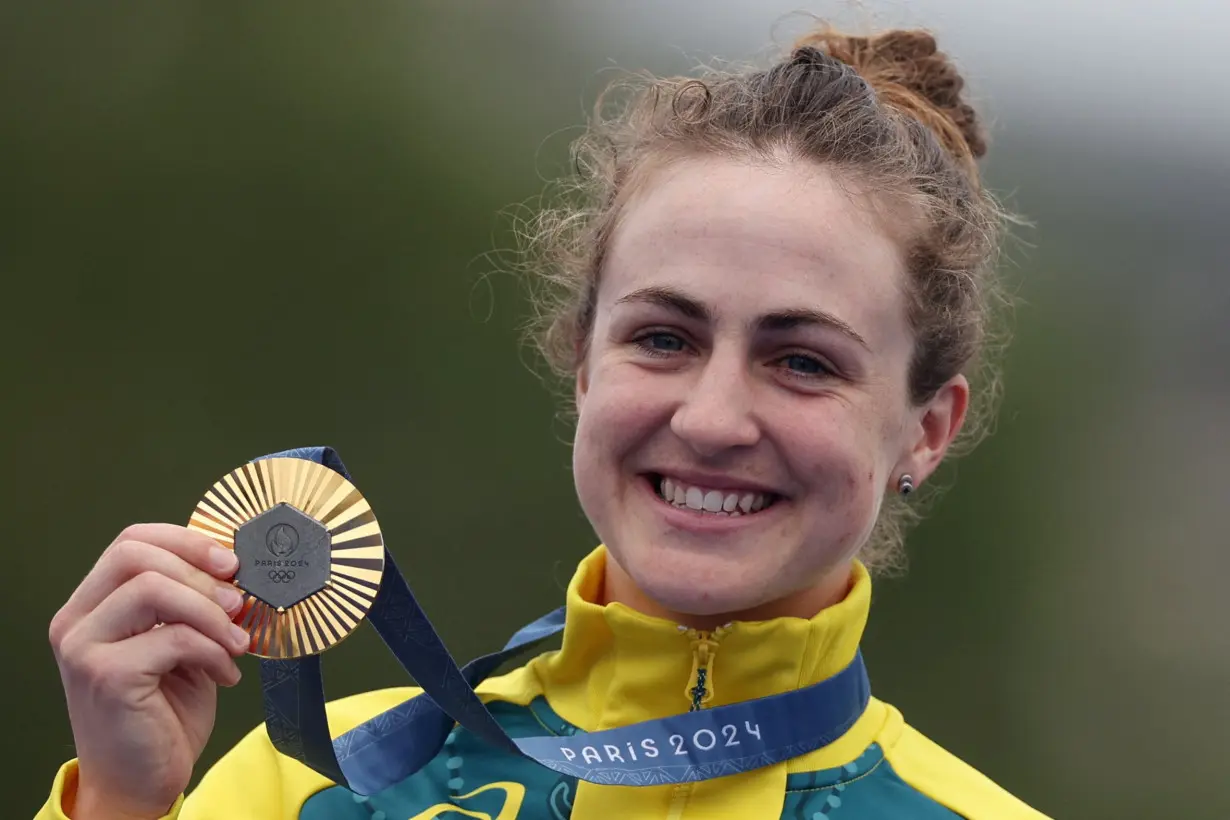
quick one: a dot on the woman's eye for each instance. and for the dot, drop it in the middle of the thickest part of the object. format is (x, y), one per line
(661, 343)
(802, 365)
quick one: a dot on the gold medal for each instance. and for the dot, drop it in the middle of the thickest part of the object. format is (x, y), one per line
(310, 552)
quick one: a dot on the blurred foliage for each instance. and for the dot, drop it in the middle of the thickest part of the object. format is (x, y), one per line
(230, 229)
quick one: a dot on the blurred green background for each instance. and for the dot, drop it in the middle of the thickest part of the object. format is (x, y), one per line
(181, 183)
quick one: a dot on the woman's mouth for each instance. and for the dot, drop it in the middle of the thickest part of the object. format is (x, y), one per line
(731, 503)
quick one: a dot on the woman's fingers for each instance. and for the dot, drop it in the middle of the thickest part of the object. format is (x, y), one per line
(188, 557)
(177, 646)
(152, 598)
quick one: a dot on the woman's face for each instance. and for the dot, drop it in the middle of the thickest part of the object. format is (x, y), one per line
(743, 404)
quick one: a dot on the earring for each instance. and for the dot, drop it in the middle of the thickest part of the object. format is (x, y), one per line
(905, 484)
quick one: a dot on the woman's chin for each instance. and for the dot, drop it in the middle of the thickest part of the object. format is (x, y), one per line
(680, 586)
(705, 588)
(690, 609)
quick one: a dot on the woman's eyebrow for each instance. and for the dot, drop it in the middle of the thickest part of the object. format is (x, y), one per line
(802, 317)
(671, 299)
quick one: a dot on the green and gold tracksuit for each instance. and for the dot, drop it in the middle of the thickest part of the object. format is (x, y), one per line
(617, 667)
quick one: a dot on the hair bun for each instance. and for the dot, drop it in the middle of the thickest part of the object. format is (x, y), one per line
(906, 69)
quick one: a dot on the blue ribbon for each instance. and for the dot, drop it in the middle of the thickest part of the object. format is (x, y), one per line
(395, 744)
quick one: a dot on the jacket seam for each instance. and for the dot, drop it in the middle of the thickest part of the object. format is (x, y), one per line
(835, 783)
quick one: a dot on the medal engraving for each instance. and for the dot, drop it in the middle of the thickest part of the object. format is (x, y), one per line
(283, 556)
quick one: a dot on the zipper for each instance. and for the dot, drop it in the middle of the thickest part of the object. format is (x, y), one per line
(679, 799)
(699, 692)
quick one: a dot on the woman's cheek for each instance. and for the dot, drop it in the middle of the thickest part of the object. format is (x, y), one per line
(627, 404)
(843, 482)
(611, 424)
(827, 454)
(591, 479)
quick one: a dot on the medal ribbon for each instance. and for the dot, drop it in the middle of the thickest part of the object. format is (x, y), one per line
(397, 743)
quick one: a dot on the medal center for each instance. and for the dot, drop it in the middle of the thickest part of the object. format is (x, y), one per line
(283, 556)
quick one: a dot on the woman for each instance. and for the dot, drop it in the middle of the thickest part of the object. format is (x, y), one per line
(770, 311)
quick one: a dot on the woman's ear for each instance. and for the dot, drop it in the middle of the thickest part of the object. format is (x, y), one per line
(936, 426)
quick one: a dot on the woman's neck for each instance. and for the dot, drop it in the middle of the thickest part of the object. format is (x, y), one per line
(618, 587)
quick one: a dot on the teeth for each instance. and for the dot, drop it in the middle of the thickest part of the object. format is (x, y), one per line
(716, 502)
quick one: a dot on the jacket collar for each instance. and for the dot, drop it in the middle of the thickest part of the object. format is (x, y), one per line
(618, 666)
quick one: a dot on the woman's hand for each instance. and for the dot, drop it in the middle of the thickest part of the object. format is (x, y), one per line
(142, 645)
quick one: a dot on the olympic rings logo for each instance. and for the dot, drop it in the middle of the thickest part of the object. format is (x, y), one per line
(281, 576)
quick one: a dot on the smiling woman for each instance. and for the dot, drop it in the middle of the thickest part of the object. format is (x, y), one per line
(772, 311)
(750, 339)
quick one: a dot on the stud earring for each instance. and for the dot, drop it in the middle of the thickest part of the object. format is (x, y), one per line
(905, 484)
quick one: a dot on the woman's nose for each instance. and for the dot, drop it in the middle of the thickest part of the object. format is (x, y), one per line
(717, 412)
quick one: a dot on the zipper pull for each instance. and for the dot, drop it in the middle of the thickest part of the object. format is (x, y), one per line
(699, 690)
(701, 694)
